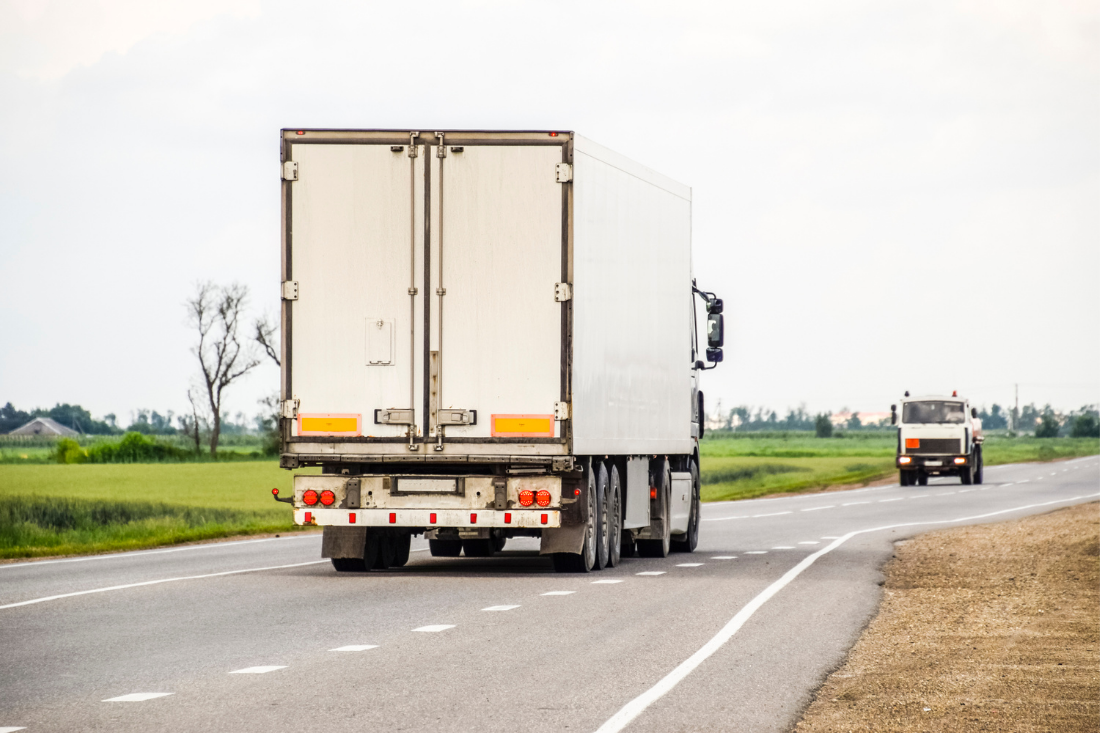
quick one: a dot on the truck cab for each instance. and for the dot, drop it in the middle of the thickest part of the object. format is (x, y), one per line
(937, 436)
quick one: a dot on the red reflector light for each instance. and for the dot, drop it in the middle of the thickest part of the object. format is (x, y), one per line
(652, 492)
(545, 518)
(328, 498)
(300, 132)
(393, 517)
(309, 497)
(526, 497)
(553, 134)
(275, 492)
(507, 517)
(431, 518)
(473, 519)
(351, 518)
(543, 497)
(308, 517)
(576, 492)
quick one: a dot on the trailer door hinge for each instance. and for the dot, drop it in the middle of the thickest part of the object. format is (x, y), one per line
(290, 171)
(289, 408)
(562, 292)
(290, 290)
(565, 172)
(561, 410)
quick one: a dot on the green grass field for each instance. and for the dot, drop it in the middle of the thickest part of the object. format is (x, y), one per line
(51, 509)
(70, 509)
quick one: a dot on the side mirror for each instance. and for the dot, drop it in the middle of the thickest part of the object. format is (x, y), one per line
(973, 412)
(893, 414)
(716, 336)
(714, 356)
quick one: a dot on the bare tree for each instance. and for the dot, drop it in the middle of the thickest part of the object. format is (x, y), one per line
(267, 338)
(196, 424)
(215, 311)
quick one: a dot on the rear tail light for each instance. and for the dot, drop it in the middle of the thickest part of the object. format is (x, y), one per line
(328, 498)
(473, 519)
(307, 518)
(351, 518)
(309, 497)
(393, 517)
(431, 518)
(526, 497)
(652, 492)
(543, 497)
(545, 518)
(507, 517)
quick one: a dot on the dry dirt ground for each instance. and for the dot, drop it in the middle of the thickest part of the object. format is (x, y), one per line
(985, 628)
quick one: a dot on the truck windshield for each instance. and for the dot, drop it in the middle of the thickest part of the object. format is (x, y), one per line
(933, 412)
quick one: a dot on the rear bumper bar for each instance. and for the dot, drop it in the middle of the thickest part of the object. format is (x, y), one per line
(429, 518)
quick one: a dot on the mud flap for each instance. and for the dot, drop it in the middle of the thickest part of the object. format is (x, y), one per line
(344, 542)
(574, 518)
(562, 539)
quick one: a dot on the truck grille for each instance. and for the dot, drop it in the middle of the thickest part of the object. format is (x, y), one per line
(937, 445)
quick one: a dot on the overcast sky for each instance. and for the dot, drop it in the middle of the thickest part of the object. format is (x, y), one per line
(888, 196)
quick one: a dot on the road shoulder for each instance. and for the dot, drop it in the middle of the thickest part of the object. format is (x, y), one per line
(980, 628)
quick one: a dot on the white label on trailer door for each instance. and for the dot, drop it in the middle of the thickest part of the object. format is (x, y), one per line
(379, 342)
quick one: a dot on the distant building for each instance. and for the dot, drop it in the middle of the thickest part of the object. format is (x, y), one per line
(44, 426)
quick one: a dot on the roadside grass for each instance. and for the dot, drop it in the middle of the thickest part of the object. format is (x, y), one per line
(747, 465)
(89, 508)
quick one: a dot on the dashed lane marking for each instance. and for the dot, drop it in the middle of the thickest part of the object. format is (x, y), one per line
(883, 501)
(722, 519)
(157, 582)
(652, 572)
(757, 552)
(810, 542)
(354, 648)
(783, 547)
(854, 503)
(10, 729)
(920, 496)
(259, 670)
(559, 593)
(965, 491)
(947, 493)
(816, 508)
(638, 705)
(499, 608)
(605, 582)
(1022, 481)
(132, 697)
(689, 565)
(773, 514)
(434, 628)
(723, 557)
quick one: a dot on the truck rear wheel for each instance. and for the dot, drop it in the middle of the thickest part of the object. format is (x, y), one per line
(979, 465)
(903, 478)
(690, 539)
(445, 548)
(614, 518)
(349, 564)
(569, 562)
(922, 479)
(660, 547)
(966, 473)
(603, 528)
(402, 545)
(385, 550)
(478, 548)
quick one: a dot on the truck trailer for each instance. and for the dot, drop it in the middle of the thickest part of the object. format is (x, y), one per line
(938, 436)
(488, 335)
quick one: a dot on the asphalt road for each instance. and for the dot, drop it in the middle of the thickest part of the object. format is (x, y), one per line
(262, 635)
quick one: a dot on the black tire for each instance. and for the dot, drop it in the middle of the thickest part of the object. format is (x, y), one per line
(401, 556)
(387, 551)
(614, 518)
(903, 478)
(499, 540)
(922, 479)
(690, 539)
(349, 565)
(478, 548)
(603, 534)
(979, 468)
(445, 548)
(585, 561)
(660, 547)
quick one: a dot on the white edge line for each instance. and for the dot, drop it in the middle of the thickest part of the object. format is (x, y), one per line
(637, 706)
(141, 553)
(157, 582)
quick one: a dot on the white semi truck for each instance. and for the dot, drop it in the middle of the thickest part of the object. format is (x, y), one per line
(938, 436)
(489, 335)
